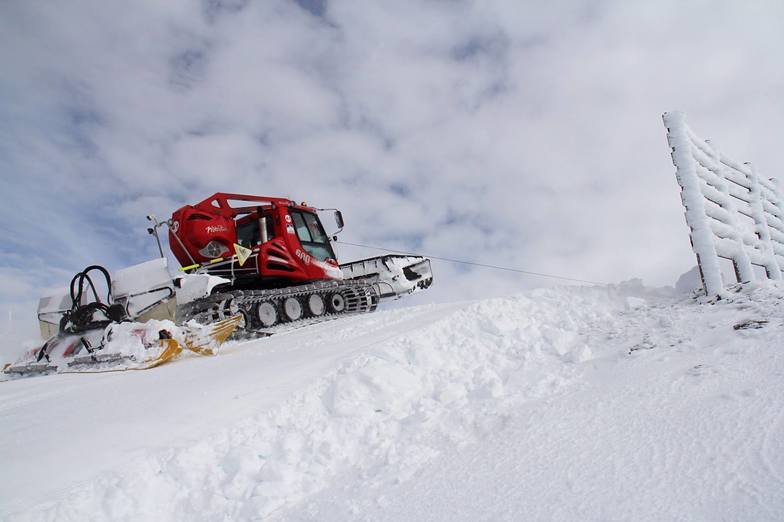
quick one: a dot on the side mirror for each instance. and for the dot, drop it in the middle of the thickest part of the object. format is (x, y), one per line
(339, 219)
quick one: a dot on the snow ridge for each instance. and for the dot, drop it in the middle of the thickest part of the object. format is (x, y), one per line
(392, 408)
(677, 417)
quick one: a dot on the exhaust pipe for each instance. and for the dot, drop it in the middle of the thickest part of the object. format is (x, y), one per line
(263, 229)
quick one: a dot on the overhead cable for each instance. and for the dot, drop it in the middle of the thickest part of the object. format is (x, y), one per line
(482, 265)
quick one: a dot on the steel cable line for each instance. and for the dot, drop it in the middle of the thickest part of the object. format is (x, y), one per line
(471, 263)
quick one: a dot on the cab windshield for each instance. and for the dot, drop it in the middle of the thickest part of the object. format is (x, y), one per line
(312, 236)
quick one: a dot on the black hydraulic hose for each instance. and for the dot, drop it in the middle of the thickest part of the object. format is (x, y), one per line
(84, 274)
(77, 298)
(80, 317)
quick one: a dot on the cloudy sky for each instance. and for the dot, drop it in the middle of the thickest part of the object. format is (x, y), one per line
(520, 133)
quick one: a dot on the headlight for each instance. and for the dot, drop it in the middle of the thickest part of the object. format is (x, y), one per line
(214, 249)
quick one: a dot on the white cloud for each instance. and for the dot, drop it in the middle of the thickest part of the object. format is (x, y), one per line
(509, 132)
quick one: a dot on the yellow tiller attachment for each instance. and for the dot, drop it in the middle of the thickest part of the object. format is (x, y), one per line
(205, 344)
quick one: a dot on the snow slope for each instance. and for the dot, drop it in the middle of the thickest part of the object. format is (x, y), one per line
(688, 426)
(569, 403)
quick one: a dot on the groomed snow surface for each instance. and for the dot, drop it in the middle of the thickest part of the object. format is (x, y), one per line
(571, 403)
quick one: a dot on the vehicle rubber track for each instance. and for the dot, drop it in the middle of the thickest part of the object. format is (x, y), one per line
(266, 312)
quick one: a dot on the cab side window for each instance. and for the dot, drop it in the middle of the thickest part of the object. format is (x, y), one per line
(316, 232)
(248, 233)
(302, 228)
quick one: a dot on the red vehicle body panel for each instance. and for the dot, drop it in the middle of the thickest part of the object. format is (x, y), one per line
(280, 260)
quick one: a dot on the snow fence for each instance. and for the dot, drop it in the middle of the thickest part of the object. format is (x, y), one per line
(731, 211)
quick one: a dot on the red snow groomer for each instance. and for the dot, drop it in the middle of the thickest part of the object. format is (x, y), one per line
(279, 264)
(253, 263)
(267, 243)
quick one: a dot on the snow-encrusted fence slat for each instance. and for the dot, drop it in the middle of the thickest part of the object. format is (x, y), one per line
(732, 213)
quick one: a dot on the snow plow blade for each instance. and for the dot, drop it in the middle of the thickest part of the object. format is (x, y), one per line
(59, 355)
(218, 334)
(171, 349)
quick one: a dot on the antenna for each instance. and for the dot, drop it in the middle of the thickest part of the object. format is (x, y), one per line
(153, 231)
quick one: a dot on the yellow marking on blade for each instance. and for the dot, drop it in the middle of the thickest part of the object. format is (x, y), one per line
(219, 332)
(171, 349)
(189, 267)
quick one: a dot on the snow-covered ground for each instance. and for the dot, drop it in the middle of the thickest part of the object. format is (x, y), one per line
(562, 404)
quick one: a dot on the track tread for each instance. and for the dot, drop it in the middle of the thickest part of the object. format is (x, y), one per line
(363, 298)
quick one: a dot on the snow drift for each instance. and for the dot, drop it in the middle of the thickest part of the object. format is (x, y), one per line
(346, 420)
